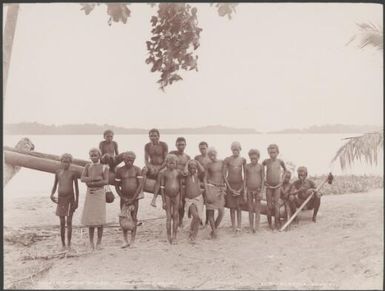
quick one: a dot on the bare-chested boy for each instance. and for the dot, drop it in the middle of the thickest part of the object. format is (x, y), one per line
(273, 184)
(300, 191)
(215, 188)
(254, 177)
(129, 183)
(285, 192)
(67, 201)
(182, 159)
(234, 168)
(170, 188)
(193, 197)
(108, 145)
(155, 153)
(204, 160)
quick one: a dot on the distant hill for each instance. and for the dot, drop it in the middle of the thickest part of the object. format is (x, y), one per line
(42, 129)
(333, 128)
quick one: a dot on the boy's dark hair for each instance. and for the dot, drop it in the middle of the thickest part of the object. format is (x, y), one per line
(203, 143)
(180, 139)
(154, 130)
(107, 132)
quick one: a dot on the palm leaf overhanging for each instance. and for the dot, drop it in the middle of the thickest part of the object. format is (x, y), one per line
(365, 147)
(369, 35)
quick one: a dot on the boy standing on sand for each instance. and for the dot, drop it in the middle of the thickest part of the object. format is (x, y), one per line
(129, 183)
(285, 192)
(204, 160)
(254, 177)
(181, 161)
(67, 201)
(170, 188)
(215, 188)
(194, 198)
(234, 168)
(155, 153)
(273, 183)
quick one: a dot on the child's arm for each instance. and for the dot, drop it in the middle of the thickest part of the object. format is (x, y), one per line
(283, 165)
(162, 189)
(146, 157)
(140, 184)
(244, 180)
(53, 198)
(165, 153)
(76, 193)
(84, 177)
(118, 183)
(224, 171)
(182, 193)
(116, 148)
(101, 147)
(104, 181)
(262, 179)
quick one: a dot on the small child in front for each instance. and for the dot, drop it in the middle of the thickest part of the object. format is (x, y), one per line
(67, 201)
(129, 184)
(193, 197)
(273, 183)
(254, 187)
(170, 187)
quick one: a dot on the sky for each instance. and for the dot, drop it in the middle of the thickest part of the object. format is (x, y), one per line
(272, 66)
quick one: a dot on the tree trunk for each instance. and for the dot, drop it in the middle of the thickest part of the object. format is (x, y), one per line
(8, 37)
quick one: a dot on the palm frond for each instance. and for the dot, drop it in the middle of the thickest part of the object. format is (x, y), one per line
(365, 147)
(369, 35)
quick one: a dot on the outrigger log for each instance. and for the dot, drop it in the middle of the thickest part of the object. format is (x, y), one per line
(27, 158)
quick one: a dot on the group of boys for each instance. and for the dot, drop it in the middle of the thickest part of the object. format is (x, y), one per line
(189, 185)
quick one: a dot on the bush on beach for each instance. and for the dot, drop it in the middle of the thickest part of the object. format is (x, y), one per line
(349, 184)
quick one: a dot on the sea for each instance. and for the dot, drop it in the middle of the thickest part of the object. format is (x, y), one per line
(315, 151)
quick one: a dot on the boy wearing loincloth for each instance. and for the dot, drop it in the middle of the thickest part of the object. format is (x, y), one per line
(234, 168)
(170, 188)
(300, 191)
(95, 175)
(203, 159)
(194, 198)
(129, 183)
(273, 183)
(254, 177)
(155, 153)
(67, 201)
(285, 193)
(215, 188)
(182, 159)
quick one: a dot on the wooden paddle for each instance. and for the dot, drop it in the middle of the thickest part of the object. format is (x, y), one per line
(329, 180)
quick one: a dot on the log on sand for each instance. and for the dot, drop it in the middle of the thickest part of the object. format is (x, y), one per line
(51, 163)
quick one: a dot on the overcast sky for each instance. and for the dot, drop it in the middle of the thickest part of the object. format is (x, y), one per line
(272, 66)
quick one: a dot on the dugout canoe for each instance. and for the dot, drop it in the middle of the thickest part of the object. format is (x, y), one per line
(15, 158)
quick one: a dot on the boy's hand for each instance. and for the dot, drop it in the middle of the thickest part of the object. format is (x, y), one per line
(54, 199)
(164, 205)
(76, 205)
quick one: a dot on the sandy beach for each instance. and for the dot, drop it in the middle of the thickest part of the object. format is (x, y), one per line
(343, 250)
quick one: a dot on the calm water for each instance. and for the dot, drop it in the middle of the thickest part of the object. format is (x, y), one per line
(312, 150)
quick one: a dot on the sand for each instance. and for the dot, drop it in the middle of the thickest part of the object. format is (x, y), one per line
(343, 250)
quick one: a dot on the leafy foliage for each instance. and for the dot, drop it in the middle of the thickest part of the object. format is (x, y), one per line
(175, 37)
(226, 9)
(365, 147)
(369, 34)
(118, 12)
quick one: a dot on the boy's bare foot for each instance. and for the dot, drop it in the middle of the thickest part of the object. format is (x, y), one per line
(125, 245)
(238, 230)
(99, 247)
(63, 249)
(213, 234)
(254, 230)
(169, 240)
(314, 219)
